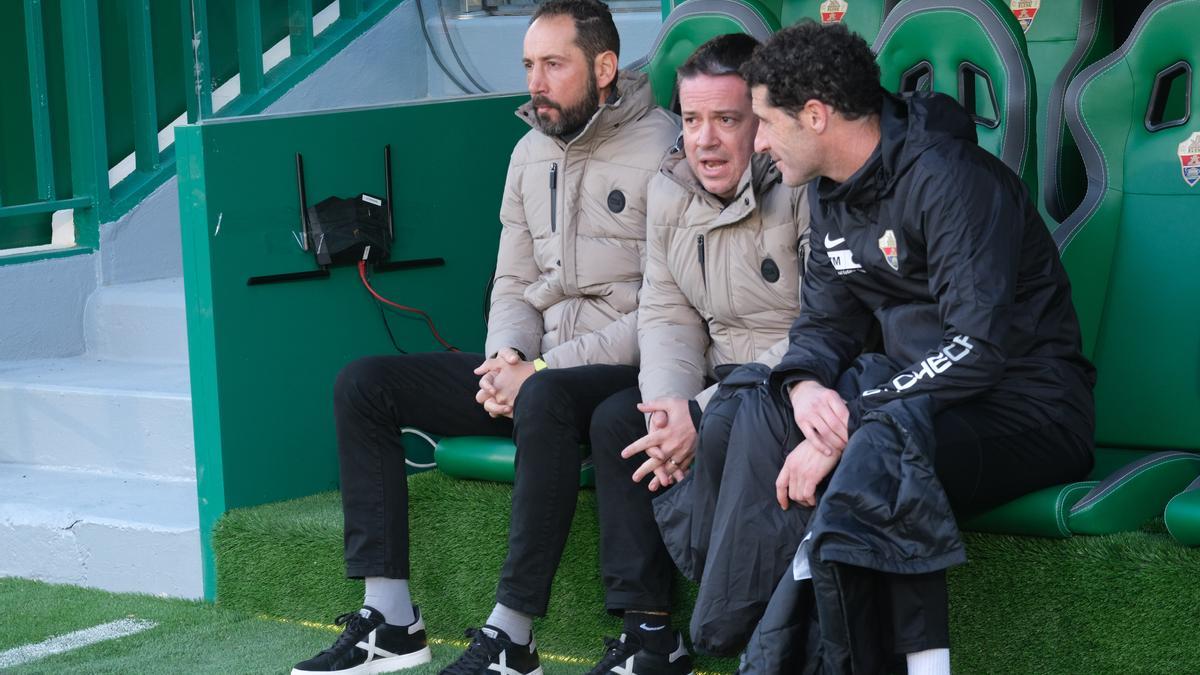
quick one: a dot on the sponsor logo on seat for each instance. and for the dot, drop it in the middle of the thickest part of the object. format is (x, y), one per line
(1189, 159)
(1025, 11)
(833, 11)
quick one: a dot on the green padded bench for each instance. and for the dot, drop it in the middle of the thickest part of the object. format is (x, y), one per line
(490, 458)
(1131, 250)
(860, 16)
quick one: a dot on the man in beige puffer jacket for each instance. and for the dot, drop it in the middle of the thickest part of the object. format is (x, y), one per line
(726, 244)
(565, 299)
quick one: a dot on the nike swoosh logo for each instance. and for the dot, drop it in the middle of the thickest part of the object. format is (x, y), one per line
(830, 243)
(645, 627)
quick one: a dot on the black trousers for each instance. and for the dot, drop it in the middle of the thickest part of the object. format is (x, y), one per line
(634, 565)
(375, 397)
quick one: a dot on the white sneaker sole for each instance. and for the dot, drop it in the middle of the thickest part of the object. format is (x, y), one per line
(390, 664)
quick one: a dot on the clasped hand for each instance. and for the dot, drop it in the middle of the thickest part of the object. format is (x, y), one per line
(500, 381)
(823, 418)
(670, 443)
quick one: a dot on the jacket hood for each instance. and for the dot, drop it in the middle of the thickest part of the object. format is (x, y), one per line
(634, 99)
(759, 174)
(909, 126)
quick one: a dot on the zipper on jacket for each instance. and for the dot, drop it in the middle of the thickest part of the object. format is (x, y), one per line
(700, 254)
(553, 196)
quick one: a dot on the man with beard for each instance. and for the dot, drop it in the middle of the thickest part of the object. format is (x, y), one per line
(981, 393)
(564, 307)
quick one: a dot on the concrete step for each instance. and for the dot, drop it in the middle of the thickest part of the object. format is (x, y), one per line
(95, 414)
(104, 530)
(144, 321)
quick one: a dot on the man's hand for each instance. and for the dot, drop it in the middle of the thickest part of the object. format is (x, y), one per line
(670, 443)
(508, 380)
(821, 416)
(803, 470)
(488, 370)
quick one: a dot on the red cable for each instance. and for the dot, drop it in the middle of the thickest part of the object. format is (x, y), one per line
(362, 274)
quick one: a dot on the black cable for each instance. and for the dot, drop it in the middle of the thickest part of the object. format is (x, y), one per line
(388, 328)
(454, 51)
(433, 51)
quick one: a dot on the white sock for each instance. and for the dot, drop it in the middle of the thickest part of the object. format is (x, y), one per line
(390, 598)
(929, 662)
(518, 626)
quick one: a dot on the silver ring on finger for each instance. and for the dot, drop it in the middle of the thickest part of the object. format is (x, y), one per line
(672, 462)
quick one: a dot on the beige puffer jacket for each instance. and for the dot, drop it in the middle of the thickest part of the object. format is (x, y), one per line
(722, 281)
(572, 246)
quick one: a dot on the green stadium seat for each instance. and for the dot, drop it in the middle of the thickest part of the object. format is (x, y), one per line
(1132, 245)
(490, 458)
(690, 25)
(860, 16)
(979, 58)
(1063, 37)
(1182, 515)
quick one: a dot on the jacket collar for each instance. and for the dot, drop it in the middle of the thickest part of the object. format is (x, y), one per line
(758, 177)
(633, 101)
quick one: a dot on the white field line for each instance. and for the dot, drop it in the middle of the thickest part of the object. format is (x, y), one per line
(80, 638)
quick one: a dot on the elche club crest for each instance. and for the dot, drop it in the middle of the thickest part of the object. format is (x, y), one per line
(887, 245)
(1189, 159)
(1025, 11)
(833, 11)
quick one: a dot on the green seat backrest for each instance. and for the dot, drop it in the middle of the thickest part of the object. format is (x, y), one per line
(860, 16)
(1133, 246)
(1063, 37)
(773, 6)
(690, 25)
(973, 50)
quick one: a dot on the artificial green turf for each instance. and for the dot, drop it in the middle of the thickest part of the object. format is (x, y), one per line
(1121, 603)
(191, 637)
(285, 560)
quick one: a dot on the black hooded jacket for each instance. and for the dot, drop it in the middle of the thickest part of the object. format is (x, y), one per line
(940, 241)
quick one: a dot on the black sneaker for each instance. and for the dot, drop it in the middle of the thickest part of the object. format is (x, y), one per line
(625, 656)
(491, 651)
(367, 646)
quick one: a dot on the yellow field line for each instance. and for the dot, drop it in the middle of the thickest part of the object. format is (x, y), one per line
(461, 644)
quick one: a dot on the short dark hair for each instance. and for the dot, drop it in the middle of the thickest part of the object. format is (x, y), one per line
(808, 61)
(595, 32)
(722, 55)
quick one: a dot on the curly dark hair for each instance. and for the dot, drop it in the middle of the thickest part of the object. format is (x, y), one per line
(722, 55)
(809, 61)
(595, 32)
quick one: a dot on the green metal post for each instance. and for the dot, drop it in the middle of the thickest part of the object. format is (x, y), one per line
(85, 115)
(141, 68)
(197, 66)
(250, 49)
(35, 48)
(349, 9)
(300, 26)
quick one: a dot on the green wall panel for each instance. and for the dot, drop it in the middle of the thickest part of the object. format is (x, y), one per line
(264, 358)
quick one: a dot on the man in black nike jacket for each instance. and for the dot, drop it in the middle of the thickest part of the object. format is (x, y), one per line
(981, 393)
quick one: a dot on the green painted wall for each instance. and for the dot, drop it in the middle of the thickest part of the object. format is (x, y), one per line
(264, 358)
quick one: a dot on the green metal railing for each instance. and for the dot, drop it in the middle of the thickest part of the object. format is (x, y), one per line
(103, 77)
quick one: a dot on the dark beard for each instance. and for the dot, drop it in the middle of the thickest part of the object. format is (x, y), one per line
(570, 120)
